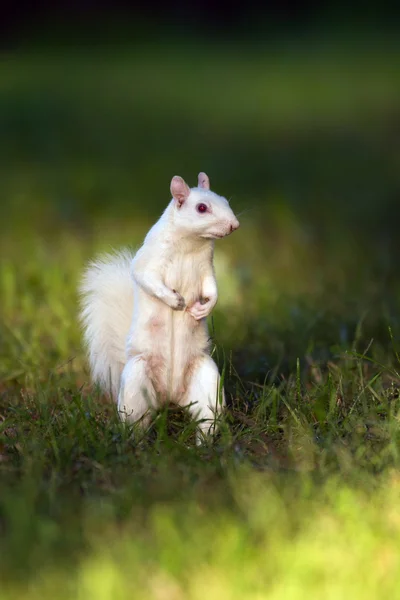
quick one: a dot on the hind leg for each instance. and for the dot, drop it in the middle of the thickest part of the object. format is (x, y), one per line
(136, 395)
(205, 398)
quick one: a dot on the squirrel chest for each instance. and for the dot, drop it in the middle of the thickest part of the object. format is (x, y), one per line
(184, 272)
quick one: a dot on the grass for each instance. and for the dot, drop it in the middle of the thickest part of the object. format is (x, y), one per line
(299, 493)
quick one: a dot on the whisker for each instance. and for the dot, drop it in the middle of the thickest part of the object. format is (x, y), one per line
(246, 210)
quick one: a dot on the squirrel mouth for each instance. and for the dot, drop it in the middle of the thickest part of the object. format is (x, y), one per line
(216, 236)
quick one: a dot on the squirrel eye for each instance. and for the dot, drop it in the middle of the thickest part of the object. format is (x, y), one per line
(201, 208)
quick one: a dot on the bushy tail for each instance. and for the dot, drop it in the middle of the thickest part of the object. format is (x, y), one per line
(106, 315)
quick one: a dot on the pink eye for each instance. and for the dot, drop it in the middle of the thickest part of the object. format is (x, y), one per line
(201, 208)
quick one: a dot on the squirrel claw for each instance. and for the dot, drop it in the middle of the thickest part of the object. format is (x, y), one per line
(199, 311)
(179, 301)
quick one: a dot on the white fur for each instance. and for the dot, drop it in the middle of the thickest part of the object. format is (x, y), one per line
(106, 315)
(144, 316)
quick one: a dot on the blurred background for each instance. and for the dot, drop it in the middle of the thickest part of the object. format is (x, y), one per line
(291, 108)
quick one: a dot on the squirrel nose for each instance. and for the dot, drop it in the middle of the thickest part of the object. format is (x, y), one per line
(235, 225)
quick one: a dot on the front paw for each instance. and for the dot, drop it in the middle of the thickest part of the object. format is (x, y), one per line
(200, 311)
(178, 301)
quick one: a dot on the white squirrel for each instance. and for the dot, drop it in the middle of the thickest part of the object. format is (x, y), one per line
(144, 314)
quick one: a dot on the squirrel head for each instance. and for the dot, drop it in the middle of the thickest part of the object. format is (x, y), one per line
(199, 211)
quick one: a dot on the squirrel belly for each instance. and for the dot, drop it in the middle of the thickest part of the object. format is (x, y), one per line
(144, 314)
(171, 341)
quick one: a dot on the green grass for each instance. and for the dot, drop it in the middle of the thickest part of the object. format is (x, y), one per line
(299, 493)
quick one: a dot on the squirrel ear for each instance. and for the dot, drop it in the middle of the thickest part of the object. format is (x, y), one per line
(204, 182)
(179, 190)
